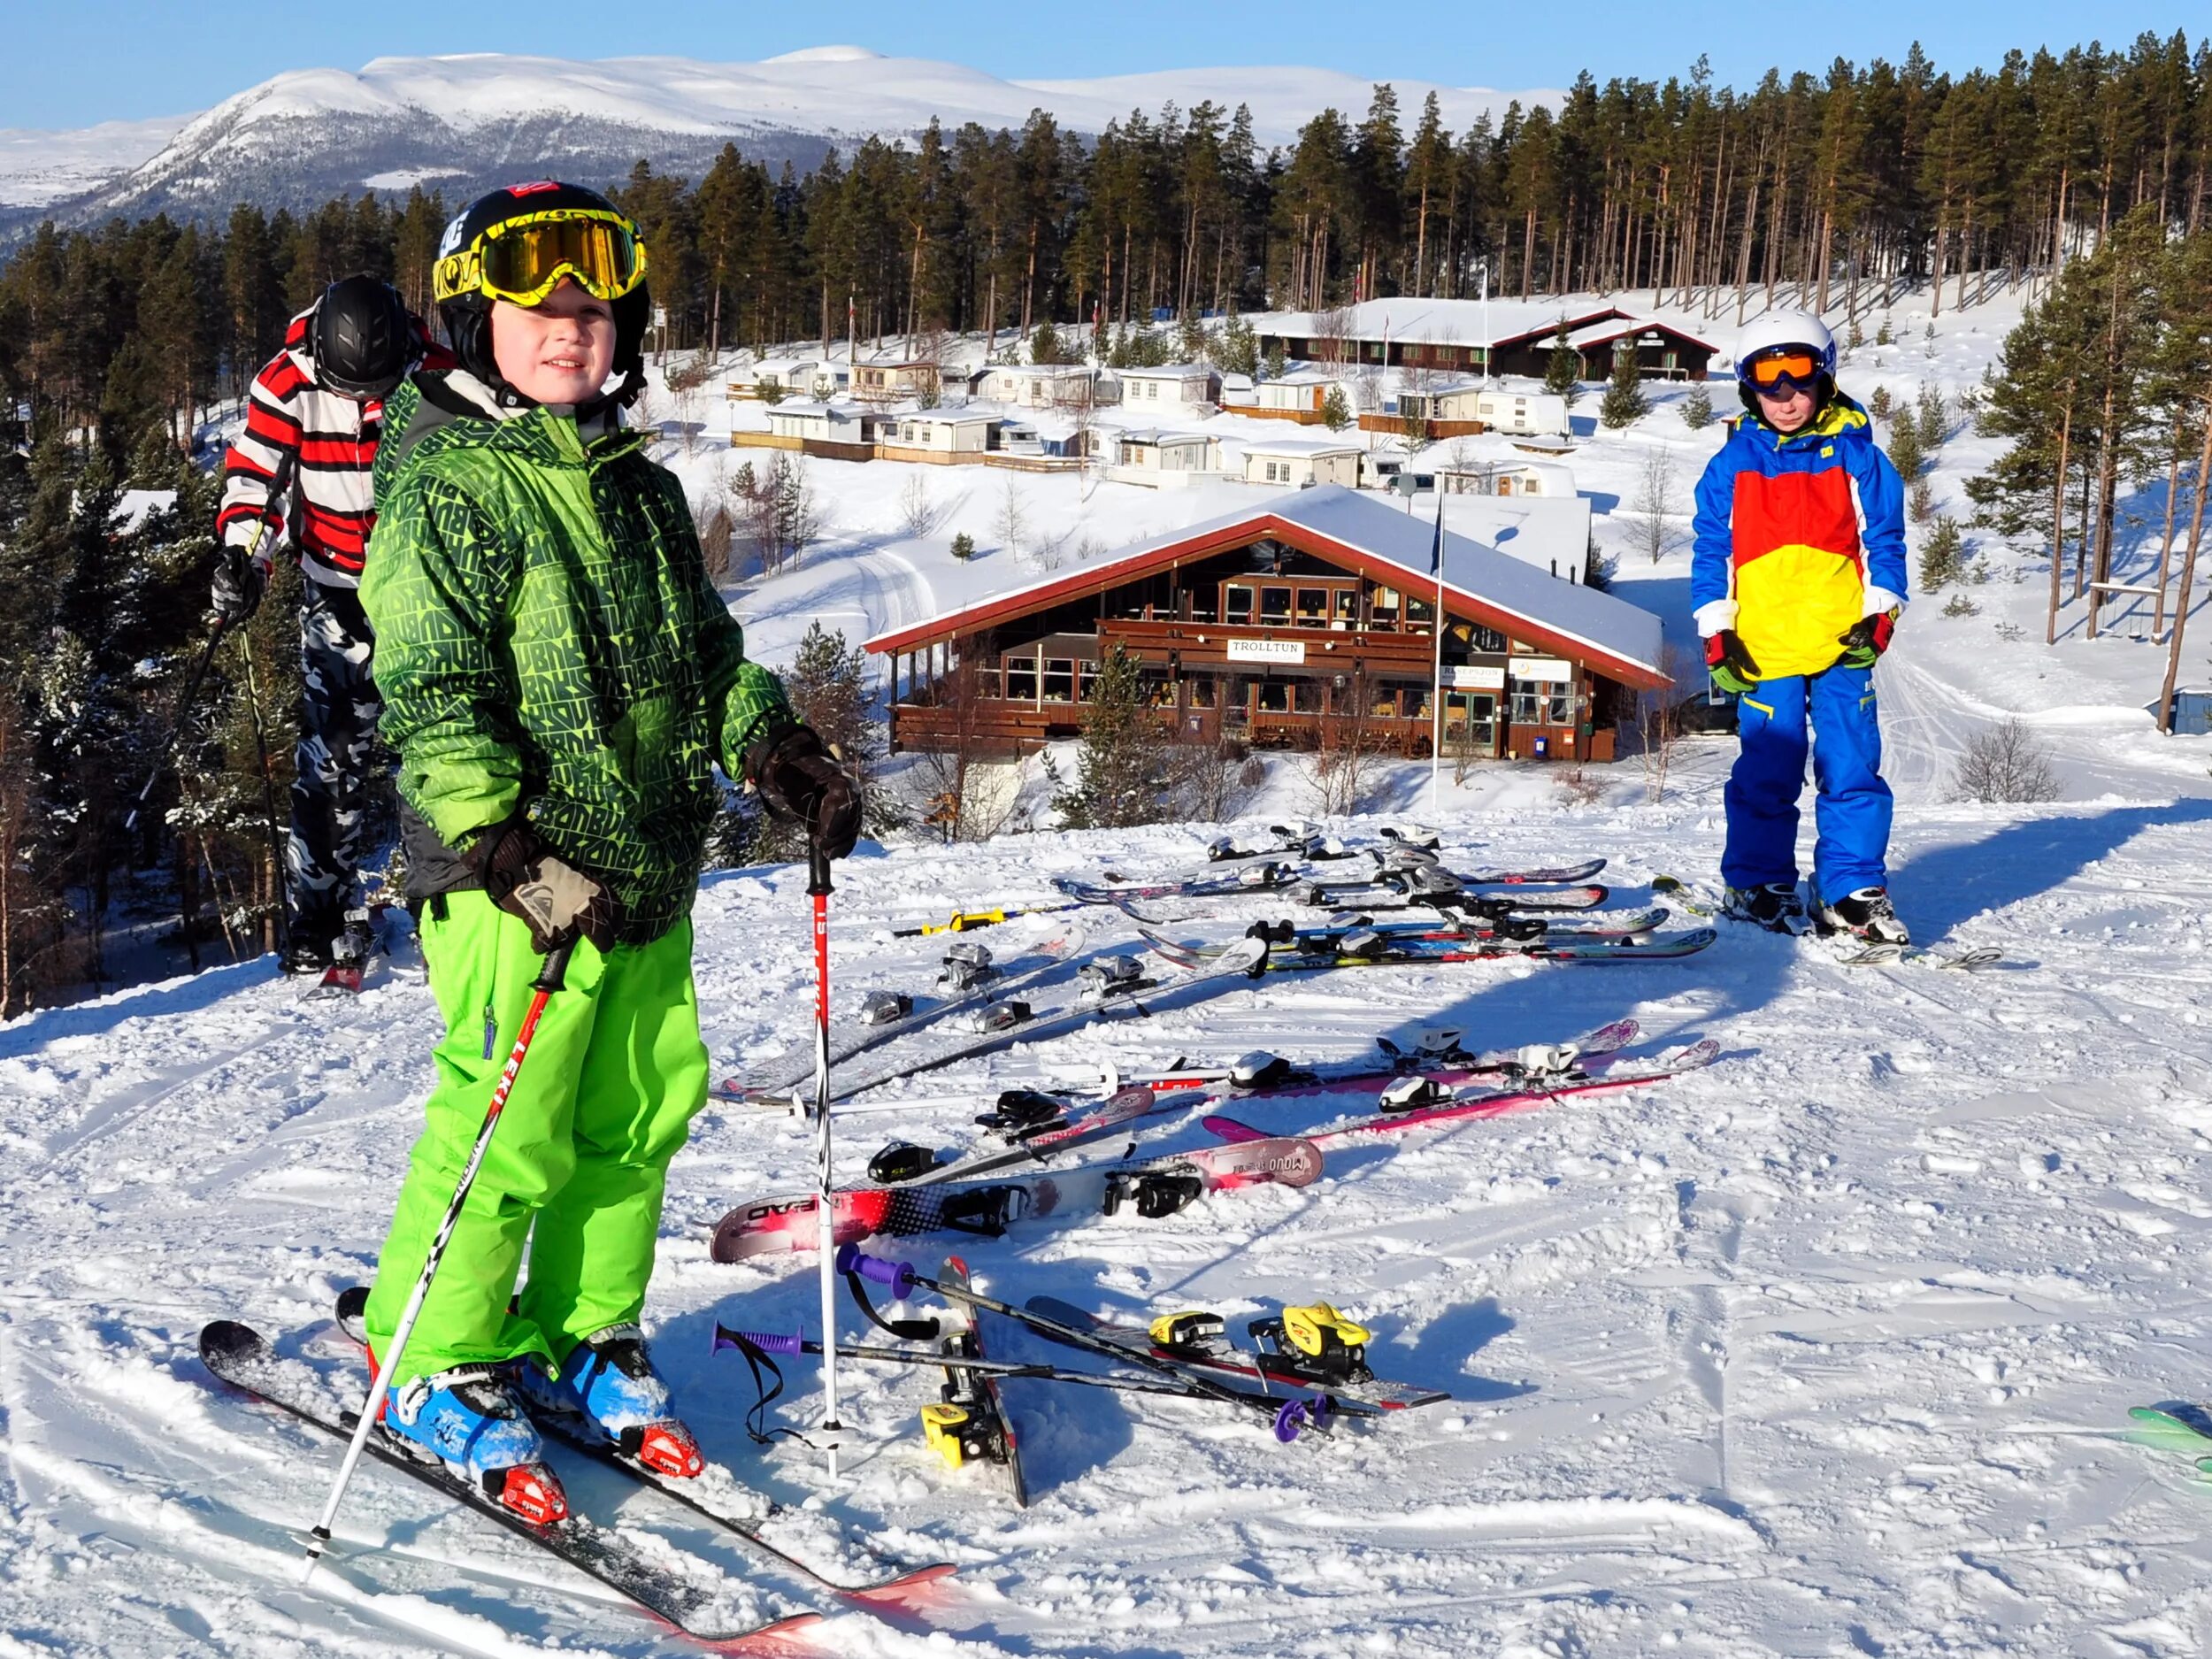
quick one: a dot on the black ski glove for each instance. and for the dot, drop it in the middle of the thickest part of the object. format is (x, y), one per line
(525, 877)
(1733, 668)
(801, 783)
(1865, 640)
(241, 579)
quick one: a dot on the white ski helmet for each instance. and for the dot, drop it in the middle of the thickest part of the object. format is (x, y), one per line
(1777, 331)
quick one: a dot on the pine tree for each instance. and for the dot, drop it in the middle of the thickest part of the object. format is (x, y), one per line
(1940, 559)
(1336, 409)
(1697, 407)
(1238, 352)
(1121, 774)
(1624, 402)
(1562, 369)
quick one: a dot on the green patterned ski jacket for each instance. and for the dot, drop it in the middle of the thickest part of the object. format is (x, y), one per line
(547, 638)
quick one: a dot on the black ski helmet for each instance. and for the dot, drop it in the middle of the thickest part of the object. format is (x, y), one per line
(466, 310)
(363, 341)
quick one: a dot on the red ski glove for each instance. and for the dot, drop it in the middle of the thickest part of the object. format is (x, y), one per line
(1865, 640)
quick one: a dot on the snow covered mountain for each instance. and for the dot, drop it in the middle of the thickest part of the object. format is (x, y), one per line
(471, 121)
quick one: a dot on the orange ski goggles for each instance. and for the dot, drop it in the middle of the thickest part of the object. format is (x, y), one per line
(523, 260)
(1788, 370)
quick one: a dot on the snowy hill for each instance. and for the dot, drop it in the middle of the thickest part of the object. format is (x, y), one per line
(468, 122)
(1828, 1349)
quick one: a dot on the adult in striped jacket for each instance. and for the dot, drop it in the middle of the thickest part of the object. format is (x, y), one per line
(299, 474)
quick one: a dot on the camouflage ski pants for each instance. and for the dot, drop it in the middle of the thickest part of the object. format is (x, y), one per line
(338, 714)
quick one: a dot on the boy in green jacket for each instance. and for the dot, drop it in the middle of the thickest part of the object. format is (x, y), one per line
(559, 678)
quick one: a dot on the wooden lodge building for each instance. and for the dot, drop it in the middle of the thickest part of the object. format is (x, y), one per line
(1459, 337)
(1308, 613)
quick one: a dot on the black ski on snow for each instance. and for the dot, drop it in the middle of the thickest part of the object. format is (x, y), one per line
(692, 1493)
(240, 1357)
(1364, 947)
(1204, 1346)
(1112, 995)
(1049, 956)
(1313, 1409)
(971, 1422)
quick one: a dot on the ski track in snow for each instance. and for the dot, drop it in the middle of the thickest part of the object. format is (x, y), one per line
(1825, 1349)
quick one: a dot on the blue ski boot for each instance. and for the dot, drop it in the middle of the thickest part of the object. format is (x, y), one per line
(469, 1417)
(609, 1381)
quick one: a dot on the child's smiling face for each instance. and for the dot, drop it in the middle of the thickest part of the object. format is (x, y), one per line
(557, 351)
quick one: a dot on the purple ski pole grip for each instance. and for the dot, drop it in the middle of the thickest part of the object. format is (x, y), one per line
(1289, 1420)
(766, 1341)
(898, 1275)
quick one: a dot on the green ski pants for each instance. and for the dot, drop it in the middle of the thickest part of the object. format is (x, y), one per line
(577, 1165)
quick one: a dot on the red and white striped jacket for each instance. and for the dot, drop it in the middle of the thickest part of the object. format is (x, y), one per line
(331, 511)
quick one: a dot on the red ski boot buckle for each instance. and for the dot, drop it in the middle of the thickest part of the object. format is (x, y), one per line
(667, 1448)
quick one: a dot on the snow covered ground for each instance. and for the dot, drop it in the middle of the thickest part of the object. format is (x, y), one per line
(1827, 1350)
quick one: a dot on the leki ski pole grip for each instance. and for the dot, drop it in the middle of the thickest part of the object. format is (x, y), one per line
(898, 1275)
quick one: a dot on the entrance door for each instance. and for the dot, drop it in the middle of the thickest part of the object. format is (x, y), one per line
(1470, 719)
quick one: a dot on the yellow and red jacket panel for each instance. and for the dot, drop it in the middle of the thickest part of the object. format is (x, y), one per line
(1798, 536)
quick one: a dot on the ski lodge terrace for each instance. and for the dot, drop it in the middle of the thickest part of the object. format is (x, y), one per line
(1310, 615)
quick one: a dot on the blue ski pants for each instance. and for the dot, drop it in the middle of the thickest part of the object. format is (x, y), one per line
(1852, 808)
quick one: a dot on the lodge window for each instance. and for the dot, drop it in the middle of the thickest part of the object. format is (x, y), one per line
(1542, 702)
(1274, 607)
(1305, 696)
(1419, 611)
(986, 682)
(1235, 708)
(1275, 696)
(1237, 603)
(1086, 681)
(1384, 613)
(1313, 607)
(1059, 679)
(1347, 608)
(1021, 679)
(1204, 692)
(1484, 639)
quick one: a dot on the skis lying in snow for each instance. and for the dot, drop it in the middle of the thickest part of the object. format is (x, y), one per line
(680, 1590)
(1263, 875)
(1112, 988)
(715, 1493)
(1288, 1415)
(1307, 1348)
(1494, 1103)
(1153, 1186)
(1846, 950)
(974, 983)
(1037, 1125)
(1437, 1055)
(1395, 894)
(1369, 947)
(969, 1421)
(1246, 877)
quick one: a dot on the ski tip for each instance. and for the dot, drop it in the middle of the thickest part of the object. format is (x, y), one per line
(907, 1588)
(228, 1340)
(1226, 1128)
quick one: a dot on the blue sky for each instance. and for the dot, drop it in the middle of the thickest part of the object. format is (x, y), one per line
(72, 64)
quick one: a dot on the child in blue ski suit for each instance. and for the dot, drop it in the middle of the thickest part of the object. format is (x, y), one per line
(1797, 579)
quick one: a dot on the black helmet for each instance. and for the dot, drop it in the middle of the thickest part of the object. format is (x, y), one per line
(519, 244)
(363, 339)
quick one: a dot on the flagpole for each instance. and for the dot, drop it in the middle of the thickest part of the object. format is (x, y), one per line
(1436, 692)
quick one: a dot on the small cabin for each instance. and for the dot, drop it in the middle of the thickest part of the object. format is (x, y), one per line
(941, 437)
(1169, 390)
(1164, 460)
(1301, 463)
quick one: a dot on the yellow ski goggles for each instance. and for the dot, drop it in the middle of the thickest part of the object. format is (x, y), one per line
(522, 260)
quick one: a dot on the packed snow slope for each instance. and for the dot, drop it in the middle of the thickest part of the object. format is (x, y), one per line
(1828, 1349)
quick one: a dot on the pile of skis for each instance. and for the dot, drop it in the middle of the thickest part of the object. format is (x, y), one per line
(1307, 1370)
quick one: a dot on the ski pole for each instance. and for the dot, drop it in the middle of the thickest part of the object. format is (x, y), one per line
(278, 481)
(549, 980)
(825, 1190)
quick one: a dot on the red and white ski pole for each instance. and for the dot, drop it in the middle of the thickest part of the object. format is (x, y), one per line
(549, 980)
(824, 1184)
